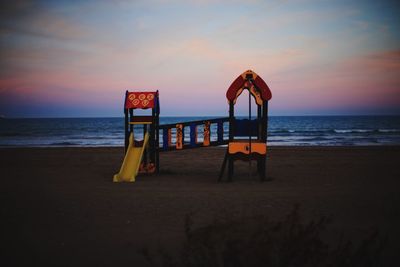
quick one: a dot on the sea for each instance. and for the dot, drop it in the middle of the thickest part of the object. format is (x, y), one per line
(282, 131)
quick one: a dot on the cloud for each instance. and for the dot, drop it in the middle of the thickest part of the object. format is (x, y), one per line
(311, 54)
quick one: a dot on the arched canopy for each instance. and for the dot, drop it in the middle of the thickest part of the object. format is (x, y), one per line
(254, 83)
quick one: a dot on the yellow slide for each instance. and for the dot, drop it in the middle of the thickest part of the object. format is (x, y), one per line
(132, 160)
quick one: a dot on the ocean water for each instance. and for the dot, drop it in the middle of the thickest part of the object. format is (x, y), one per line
(282, 131)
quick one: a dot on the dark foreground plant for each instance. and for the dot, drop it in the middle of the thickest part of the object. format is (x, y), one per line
(257, 241)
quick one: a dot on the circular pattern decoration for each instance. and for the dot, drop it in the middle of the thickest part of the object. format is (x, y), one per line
(132, 96)
(141, 100)
(136, 102)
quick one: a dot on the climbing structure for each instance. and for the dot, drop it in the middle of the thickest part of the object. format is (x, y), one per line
(140, 155)
(247, 137)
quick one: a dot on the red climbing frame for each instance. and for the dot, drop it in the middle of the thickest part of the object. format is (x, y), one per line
(255, 146)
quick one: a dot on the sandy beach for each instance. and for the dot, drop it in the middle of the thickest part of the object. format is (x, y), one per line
(60, 207)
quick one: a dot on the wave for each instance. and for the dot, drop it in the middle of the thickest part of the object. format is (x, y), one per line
(322, 131)
(367, 131)
(64, 144)
(90, 137)
(314, 131)
(340, 131)
(354, 131)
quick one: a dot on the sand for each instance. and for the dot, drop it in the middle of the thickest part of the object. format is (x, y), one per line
(60, 207)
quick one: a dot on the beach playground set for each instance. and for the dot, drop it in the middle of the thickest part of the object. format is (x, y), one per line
(247, 139)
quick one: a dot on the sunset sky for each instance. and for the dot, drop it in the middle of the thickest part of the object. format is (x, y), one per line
(77, 58)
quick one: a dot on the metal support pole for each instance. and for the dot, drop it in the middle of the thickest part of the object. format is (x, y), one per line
(250, 134)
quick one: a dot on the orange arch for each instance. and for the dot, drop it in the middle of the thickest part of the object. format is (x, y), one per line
(253, 82)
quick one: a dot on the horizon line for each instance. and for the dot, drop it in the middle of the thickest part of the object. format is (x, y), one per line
(205, 116)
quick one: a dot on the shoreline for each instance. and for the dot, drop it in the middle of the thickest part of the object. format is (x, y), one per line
(282, 131)
(218, 147)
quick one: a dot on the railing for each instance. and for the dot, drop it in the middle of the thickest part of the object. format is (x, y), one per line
(194, 142)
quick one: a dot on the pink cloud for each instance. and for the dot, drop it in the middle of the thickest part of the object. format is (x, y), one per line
(366, 81)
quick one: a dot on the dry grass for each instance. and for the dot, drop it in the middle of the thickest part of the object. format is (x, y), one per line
(258, 241)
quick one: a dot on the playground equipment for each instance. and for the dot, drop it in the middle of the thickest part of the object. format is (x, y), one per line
(254, 147)
(194, 127)
(132, 160)
(140, 155)
(143, 156)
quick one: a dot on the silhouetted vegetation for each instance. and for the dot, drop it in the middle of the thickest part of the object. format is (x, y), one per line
(258, 241)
